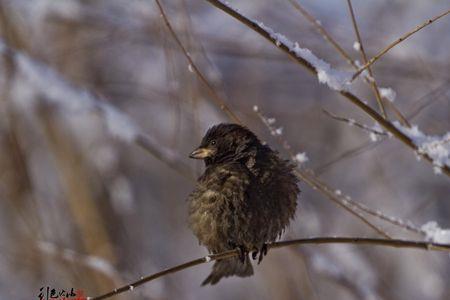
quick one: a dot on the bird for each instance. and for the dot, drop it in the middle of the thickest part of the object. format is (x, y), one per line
(244, 200)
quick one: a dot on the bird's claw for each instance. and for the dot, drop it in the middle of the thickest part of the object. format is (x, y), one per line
(262, 252)
(242, 252)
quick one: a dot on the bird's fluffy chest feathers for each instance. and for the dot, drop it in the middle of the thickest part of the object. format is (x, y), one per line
(219, 205)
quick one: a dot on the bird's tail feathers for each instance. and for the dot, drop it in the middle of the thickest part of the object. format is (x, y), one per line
(229, 267)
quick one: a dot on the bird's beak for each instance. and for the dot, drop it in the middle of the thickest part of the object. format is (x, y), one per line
(201, 153)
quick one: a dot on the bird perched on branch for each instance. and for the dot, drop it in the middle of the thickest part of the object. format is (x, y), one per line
(245, 198)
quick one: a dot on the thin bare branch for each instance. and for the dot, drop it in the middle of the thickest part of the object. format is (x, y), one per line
(217, 99)
(352, 122)
(398, 41)
(307, 241)
(373, 83)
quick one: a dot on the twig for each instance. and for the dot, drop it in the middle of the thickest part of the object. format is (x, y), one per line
(194, 68)
(352, 122)
(373, 83)
(398, 41)
(307, 241)
(316, 23)
(350, 97)
(360, 149)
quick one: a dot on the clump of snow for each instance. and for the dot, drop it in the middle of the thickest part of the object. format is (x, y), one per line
(255, 108)
(271, 121)
(437, 148)
(436, 234)
(373, 136)
(388, 93)
(207, 258)
(338, 192)
(301, 157)
(357, 46)
(278, 131)
(335, 79)
(191, 68)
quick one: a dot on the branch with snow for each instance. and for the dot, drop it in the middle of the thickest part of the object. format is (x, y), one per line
(437, 148)
(35, 81)
(336, 80)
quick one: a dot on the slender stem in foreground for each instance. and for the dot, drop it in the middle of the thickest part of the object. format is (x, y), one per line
(316, 241)
(193, 66)
(373, 83)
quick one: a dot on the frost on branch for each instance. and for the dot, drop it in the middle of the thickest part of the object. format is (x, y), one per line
(437, 148)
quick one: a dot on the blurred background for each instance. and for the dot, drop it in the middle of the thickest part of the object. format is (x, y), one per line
(82, 205)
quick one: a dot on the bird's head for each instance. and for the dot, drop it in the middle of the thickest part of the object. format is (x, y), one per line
(226, 142)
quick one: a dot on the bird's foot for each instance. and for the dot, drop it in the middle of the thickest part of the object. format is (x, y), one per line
(262, 252)
(243, 253)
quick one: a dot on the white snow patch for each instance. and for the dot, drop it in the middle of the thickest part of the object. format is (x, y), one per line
(335, 79)
(357, 46)
(301, 157)
(388, 93)
(373, 136)
(436, 234)
(278, 131)
(437, 148)
(271, 121)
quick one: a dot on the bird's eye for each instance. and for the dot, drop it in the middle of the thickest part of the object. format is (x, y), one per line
(213, 143)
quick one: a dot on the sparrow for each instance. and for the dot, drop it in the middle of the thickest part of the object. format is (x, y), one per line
(244, 200)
